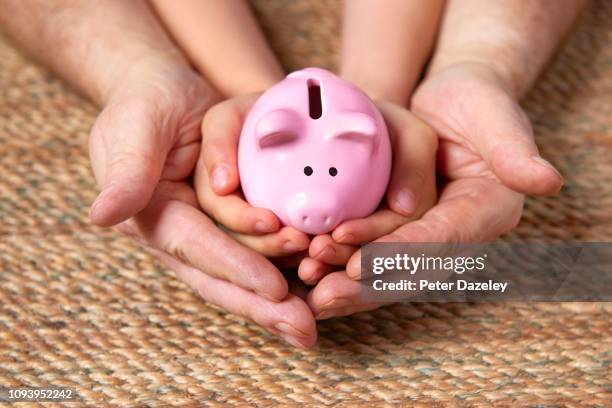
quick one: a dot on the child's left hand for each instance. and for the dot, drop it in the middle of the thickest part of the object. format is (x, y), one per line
(217, 186)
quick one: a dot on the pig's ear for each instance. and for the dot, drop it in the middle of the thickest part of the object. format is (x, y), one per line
(358, 127)
(277, 127)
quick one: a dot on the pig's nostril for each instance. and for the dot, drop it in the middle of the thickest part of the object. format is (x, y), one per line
(327, 220)
(305, 219)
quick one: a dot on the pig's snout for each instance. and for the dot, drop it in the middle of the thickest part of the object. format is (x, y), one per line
(314, 213)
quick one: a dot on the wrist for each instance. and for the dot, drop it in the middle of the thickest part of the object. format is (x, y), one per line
(508, 63)
(95, 46)
(128, 68)
(251, 82)
(164, 82)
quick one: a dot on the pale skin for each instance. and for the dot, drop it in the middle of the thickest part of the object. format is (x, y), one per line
(487, 153)
(384, 51)
(469, 96)
(216, 176)
(216, 187)
(145, 143)
(221, 38)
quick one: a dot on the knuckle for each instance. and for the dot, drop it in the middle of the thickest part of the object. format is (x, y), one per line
(478, 188)
(257, 274)
(176, 251)
(436, 228)
(219, 113)
(177, 247)
(444, 230)
(166, 191)
(429, 136)
(129, 155)
(201, 289)
(420, 176)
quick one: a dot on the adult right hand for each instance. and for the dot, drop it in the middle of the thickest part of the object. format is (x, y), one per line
(143, 148)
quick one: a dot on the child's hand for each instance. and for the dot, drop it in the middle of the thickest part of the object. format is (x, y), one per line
(217, 182)
(411, 192)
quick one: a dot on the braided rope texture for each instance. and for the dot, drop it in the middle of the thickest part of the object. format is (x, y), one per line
(84, 307)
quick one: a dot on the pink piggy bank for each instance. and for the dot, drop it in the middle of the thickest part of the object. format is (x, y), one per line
(314, 150)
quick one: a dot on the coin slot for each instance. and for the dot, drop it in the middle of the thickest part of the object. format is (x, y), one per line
(315, 104)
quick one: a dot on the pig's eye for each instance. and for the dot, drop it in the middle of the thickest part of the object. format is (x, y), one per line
(333, 171)
(308, 170)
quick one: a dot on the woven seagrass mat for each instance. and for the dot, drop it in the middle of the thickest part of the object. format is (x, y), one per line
(84, 307)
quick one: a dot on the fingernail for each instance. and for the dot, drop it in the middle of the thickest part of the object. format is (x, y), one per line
(262, 226)
(326, 314)
(290, 247)
(353, 268)
(315, 277)
(220, 177)
(346, 238)
(293, 341)
(336, 303)
(327, 310)
(100, 198)
(105, 195)
(92, 209)
(542, 162)
(268, 296)
(289, 329)
(327, 252)
(127, 229)
(405, 201)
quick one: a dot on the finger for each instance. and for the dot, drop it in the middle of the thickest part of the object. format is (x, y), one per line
(221, 129)
(127, 156)
(362, 230)
(509, 149)
(310, 270)
(501, 133)
(184, 232)
(337, 295)
(469, 210)
(231, 210)
(412, 187)
(285, 242)
(324, 249)
(180, 161)
(291, 318)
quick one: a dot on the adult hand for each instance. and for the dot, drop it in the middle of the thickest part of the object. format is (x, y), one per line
(488, 159)
(144, 147)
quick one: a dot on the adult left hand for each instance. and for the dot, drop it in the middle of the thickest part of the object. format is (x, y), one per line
(488, 159)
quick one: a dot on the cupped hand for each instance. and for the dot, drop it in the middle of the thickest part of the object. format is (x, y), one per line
(488, 159)
(218, 185)
(144, 147)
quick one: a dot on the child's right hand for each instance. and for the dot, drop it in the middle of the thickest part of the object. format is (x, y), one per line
(217, 185)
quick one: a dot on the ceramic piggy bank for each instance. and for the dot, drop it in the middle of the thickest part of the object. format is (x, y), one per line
(314, 150)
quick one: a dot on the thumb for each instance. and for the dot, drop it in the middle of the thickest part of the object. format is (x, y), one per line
(127, 158)
(221, 129)
(502, 134)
